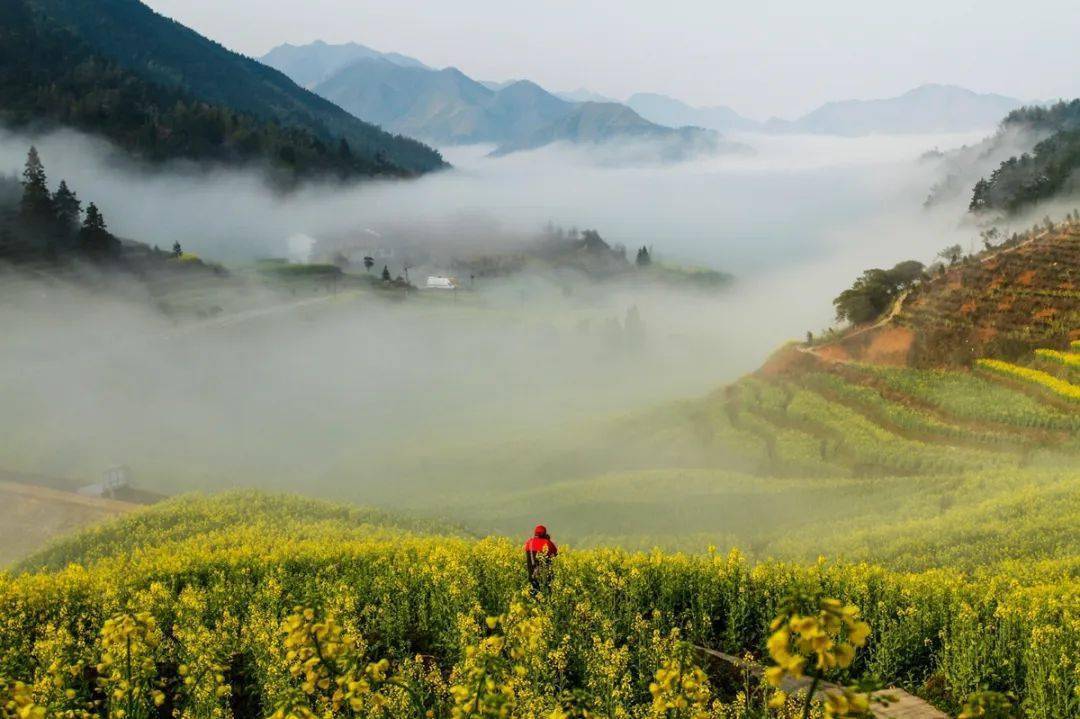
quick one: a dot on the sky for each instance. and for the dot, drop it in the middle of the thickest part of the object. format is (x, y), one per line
(763, 58)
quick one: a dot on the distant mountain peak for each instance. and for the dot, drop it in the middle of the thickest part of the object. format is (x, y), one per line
(607, 123)
(928, 108)
(669, 111)
(313, 63)
(583, 94)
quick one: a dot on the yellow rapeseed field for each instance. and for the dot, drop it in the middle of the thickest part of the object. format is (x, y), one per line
(282, 617)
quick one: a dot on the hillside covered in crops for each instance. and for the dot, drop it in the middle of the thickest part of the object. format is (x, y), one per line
(201, 594)
(934, 467)
(1003, 302)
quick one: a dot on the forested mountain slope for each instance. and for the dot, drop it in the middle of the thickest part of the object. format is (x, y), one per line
(161, 91)
(1048, 171)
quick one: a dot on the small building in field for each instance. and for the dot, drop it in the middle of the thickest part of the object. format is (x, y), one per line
(113, 480)
(438, 282)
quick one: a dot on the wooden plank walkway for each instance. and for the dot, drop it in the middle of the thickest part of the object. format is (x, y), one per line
(906, 706)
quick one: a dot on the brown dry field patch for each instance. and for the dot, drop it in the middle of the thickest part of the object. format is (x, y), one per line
(31, 517)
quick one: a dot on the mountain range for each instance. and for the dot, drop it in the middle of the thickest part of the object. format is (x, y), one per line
(443, 106)
(926, 109)
(161, 91)
(448, 107)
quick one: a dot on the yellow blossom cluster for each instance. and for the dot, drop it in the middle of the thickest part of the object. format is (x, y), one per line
(680, 689)
(1056, 385)
(330, 669)
(796, 638)
(127, 670)
(829, 639)
(17, 702)
(845, 703)
(485, 689)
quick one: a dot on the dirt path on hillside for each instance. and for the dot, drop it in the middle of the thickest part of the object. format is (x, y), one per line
(815, 350)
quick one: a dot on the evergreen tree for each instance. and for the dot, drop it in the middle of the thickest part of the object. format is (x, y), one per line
(36, 207)
(385, 273)
(369, 262)
(7, 241)
(94, 237)
(643, 258)
(177, 251)
(68, 208)
(980, 196)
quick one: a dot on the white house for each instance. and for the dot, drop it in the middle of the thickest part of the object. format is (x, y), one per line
(436, 282)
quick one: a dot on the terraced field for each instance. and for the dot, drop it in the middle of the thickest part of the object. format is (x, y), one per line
(936, 454)
(865, 419)
(1003, 304)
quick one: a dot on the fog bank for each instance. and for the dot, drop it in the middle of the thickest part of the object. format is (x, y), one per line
(335, 396)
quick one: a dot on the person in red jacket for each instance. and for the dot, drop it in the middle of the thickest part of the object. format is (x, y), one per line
(539, 551)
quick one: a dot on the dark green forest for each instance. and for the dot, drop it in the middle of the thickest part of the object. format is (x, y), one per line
(160, 91)
(37, 224)
(60, 234)
(1048, 171)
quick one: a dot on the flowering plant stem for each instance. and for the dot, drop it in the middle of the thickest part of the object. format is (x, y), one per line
(810, 697)
(414, 697)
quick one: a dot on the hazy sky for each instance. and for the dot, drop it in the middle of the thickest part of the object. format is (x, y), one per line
(762, 57)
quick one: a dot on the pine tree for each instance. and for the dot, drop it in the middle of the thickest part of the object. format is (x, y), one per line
(95, 221)
(643, 258)
(386, 273)
(68, 208)
(369, 262)
(7, 241)
(94, 237)
(36, 206)
(177, 251)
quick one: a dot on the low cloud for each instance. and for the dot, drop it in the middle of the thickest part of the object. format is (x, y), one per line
(332, 396)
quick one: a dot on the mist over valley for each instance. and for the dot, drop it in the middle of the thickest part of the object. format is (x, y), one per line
(741, 382)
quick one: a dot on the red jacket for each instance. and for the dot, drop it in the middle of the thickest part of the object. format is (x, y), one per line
(538, 545)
